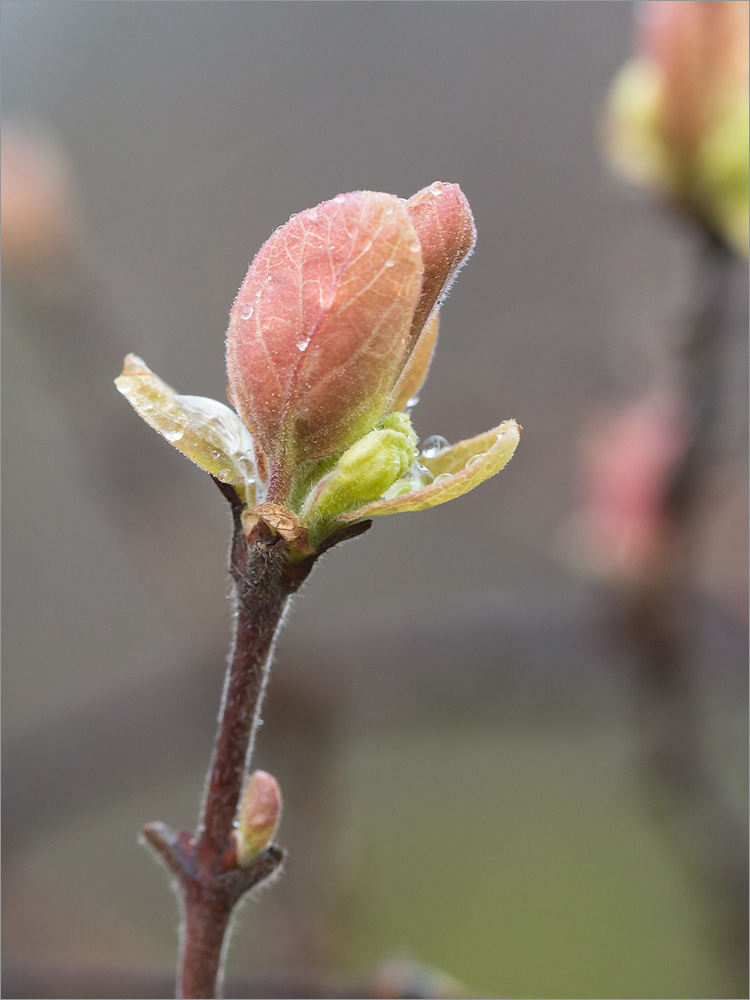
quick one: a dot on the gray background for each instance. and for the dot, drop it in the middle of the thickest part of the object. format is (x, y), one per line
(450, 722)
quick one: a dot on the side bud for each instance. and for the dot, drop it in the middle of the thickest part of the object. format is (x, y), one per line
(259, 817)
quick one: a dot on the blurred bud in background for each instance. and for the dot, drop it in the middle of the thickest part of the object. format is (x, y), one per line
(40, 218)
(404, 977)
(677, 115)
(626, 462)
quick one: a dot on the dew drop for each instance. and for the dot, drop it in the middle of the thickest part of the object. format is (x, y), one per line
(436, 190)
(390, 263)
(399, 489)
(174, 436)
(416, 245)
(441, 478)
(340, 199)
(246, 311)
(420, 476)
(475, 458)
(411, 403)
(302, 345)
(433, 445)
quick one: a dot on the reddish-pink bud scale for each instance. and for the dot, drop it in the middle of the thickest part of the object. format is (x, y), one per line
(318, 331)
(445, 226)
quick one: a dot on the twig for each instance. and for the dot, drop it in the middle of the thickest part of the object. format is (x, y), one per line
(203, 868)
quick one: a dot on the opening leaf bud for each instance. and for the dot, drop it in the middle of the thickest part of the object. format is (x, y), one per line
(329, 340)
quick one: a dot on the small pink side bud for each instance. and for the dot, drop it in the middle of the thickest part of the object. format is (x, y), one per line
(259, 817)
(442, 217)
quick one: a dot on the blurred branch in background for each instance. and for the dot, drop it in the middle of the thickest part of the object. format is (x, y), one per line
(677, 123)
(707, 821)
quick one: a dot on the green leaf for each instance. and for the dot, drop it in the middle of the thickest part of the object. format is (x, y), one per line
(465, 465)
(206, 431)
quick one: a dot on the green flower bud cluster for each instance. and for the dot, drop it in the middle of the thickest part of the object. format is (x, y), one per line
(364, 472)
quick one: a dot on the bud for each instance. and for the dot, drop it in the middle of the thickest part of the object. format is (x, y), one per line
(259, 816)
(701, 51)
(319, 328)
(365, 471)
(329, 339)
(403, 977)
(454, 470)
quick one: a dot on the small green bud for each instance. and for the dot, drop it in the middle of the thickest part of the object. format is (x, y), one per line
(365, 471)
(399, 422)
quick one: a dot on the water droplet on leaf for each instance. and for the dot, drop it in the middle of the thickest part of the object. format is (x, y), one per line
(420, 476)
(399, 489)
(246, 312)
(433, 445)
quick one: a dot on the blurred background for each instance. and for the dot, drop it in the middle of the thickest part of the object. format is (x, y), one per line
(486, 767)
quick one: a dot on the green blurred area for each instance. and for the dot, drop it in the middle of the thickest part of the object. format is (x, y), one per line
(525, 862)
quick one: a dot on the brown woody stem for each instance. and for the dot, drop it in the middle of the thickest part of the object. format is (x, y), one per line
(204, 871)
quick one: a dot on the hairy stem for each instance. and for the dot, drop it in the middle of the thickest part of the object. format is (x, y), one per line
(261, 598)
(204, 870)
(262, 593)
